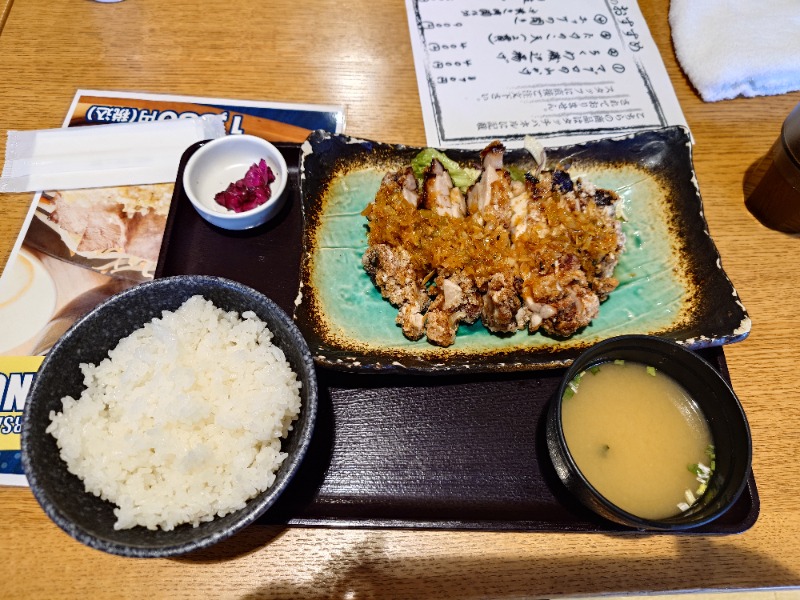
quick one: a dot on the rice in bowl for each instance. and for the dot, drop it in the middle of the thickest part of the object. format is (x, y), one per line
(184, 419)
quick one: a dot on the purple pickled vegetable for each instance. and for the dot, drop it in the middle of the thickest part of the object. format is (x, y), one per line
(250, 191)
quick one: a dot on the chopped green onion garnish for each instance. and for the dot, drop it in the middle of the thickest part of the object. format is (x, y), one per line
(619, 361)
(517, 174)
(572, 386)
(594, 370)
(651, 371)
(703, 475)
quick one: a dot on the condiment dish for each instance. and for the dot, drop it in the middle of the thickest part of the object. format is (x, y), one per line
(220, 162)
(63, 496)
(713, 396)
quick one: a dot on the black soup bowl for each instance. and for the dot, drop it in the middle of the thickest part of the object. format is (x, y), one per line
(715, 398)
(62, 495)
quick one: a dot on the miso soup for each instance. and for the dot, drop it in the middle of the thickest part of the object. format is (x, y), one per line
(637, 436)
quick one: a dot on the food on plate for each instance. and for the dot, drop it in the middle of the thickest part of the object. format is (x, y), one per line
(250, 191)
(517, 250)
(638, 437)
(183, 420)
(98, 222)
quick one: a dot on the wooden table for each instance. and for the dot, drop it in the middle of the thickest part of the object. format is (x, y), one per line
(358, 54)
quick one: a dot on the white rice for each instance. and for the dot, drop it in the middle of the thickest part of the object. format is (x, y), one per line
(183, 421)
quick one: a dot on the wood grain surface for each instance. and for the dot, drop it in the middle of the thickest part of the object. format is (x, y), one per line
(358, 54)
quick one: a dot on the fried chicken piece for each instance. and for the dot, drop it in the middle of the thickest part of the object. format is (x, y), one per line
(520, 204)
(573, 227)
(479, 195)
(574, 310)
(457, 300)
(404, 183)
(606, 203)
(560, 302)
(488, 198)
(500, 304)
(439, 194)
(498, 203)
(532, 313)
(394, 275)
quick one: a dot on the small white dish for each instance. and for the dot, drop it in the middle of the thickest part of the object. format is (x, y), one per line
(226, 160)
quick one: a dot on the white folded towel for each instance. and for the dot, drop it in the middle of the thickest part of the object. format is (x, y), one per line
(732, 48)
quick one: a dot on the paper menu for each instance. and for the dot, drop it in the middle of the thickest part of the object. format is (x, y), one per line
(564, 71)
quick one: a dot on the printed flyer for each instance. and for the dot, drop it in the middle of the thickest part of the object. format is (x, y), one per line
(78, 247)
(16, 377)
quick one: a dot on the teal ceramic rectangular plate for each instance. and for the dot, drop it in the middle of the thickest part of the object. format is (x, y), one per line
(671, 279)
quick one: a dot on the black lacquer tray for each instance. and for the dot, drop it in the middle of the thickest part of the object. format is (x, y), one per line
(462, 451)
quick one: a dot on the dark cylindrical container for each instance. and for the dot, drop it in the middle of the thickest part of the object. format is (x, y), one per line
(775, 198)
